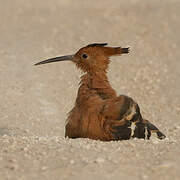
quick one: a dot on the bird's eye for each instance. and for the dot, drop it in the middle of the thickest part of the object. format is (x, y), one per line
(84, 56)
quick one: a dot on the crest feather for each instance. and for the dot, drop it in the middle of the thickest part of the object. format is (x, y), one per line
(97, 44)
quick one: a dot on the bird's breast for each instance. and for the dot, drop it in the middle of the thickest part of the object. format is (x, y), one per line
(85, 120)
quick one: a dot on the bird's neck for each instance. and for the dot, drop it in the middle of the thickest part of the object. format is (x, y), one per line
(96, 83)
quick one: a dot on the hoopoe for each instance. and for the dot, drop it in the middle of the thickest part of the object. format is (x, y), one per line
(98, 112)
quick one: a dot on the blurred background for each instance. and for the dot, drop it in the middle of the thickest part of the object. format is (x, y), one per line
(35, 100)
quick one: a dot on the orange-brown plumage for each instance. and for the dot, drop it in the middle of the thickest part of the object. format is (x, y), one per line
(98, 112)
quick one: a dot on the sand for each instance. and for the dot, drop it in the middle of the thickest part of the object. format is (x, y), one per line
(34, 101)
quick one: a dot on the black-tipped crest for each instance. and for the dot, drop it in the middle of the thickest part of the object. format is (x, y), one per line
(125, 50)
(97, 44)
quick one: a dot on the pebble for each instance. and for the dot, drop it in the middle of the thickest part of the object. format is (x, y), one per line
(165, 165)
(44, 168)
(99, 160)
(72, 161)
(144, 176)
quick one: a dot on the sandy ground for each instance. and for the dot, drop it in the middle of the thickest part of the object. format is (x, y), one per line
(34, 101)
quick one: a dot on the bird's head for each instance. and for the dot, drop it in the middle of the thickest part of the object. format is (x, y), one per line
(91, 58)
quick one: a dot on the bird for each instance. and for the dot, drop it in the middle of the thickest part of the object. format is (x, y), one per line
(99, 113)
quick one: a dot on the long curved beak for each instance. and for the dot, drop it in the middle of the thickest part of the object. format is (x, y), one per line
(61, 58)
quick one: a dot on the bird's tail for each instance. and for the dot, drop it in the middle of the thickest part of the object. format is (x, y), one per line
(119, 50)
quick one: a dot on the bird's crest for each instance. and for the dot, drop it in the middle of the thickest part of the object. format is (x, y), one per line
(97, 44)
